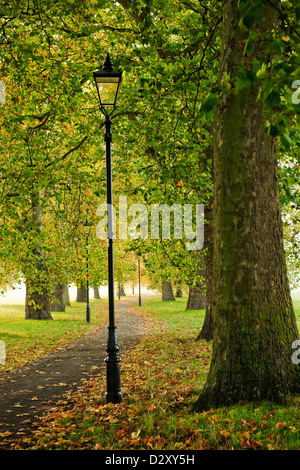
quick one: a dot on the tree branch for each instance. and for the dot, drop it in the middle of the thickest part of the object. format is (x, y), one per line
(68, 152)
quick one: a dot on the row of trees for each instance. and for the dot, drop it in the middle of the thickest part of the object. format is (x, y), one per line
(206, 113)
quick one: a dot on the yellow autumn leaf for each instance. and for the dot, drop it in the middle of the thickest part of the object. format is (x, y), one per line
(5, 434)
(225, 433)
(135, 442)
(279, 425)
(135, 435)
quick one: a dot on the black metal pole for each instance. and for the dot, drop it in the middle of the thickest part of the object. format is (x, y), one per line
(113, 361)
(88, 310)
(140, 297)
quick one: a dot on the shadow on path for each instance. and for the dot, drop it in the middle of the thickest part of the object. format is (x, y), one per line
(28, 392)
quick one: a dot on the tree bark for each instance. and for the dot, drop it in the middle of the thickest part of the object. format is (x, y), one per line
(178, 292)
(38, 297)
(167, 291)
(207, 327)
(37, 302)
(58, 305)
(197, 296)
(196, 299)
(81, 294)
(38, 294)
(96, 293)
(66, 296)
(122, 291)
(253, 317)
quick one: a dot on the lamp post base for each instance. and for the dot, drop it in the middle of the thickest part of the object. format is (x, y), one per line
(113, 372)
(88, 315)
(113, 368)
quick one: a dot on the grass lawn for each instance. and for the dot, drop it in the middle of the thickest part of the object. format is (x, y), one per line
(28, 339)
(161, 380)
(297, 311)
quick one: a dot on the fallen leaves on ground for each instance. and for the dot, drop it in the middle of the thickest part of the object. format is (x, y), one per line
(160, 384)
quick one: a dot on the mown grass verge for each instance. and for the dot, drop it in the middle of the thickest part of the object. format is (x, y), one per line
(26, 340)
(161, 380)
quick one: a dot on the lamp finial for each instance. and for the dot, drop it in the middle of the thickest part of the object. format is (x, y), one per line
(107, 66)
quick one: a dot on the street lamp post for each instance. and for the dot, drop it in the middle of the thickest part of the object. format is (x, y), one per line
(108, 83)
(87, 233)
(140, 297)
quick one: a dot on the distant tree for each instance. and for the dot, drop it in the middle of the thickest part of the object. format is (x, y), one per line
(167, 291)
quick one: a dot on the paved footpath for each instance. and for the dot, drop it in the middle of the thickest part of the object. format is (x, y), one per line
(28, 392)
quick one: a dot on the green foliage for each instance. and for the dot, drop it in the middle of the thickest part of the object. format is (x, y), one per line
(51, 132)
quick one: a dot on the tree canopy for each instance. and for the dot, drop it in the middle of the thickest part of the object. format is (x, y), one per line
(178, 82)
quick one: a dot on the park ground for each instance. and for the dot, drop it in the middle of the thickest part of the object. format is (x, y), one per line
(161, 379)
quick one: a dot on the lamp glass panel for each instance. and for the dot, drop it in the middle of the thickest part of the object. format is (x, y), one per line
(107, 88)
(86, 227)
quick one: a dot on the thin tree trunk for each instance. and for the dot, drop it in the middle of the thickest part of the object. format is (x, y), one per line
(122, 291)
(38, 295)
(96, 293)
(196, 299)
(58, 304)
(178, 292)
(253, 316)
(207, 327)
(66, 295)
(167, 291)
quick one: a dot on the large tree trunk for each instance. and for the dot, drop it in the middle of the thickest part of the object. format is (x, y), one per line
(254, 321)
(81, 295)
(167, 291)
